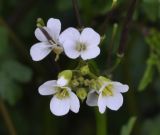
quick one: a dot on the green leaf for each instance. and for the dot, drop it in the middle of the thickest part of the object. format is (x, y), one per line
(151, 126)
(151, 9)
(3, 40)
(153, 40)
(9, 90)
(147, 78)
(148, 75)
(126, 129)
(158, 65)
(17, 71)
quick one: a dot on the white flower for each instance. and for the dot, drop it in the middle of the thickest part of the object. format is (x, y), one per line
(63, 98)
(48, 37)
(84, 44)
(109, 96)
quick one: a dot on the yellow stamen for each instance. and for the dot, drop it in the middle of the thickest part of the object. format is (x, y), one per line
(62, 93)
(107, 91)
(80, 47)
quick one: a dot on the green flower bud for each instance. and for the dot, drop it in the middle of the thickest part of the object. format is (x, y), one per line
(64, 77)
(93, 84)
(40, 22)
(74, 83)
(86, 82)
(81, 80)
(81, 93)
(85, 70)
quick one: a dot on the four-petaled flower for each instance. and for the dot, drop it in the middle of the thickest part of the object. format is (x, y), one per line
(84, 44)
(109, 95)
(63, 98)
(48, 37)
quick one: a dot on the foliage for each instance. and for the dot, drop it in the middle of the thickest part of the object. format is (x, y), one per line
(140, 67)
(151, 126)
(153, 63)
(126, 129)
(11, 73)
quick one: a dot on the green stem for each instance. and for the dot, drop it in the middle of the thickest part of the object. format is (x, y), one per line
(80, 64)
(101, 123)
(110, 49)
(117, 62)
(7, 118)
(76, 10)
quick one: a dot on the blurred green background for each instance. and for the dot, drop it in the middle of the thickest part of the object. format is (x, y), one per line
(24, 112)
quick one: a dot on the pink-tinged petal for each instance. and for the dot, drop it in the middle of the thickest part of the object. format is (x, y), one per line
(92, 98)
(59, 107)
(74, 103)
(40, 50)
(69, 34)
(48, 88)
(90, 52)
(90, 37)
(70, 49)
(54, 25)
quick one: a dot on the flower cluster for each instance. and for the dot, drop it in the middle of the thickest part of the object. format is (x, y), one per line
(80, 83)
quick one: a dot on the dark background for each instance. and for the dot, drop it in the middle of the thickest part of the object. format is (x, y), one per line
(24, 111)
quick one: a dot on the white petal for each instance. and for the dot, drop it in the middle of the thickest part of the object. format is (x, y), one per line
(103, 86)
(62, 81)
(59, 107)
(69, 34)
(90, 37)
(102, 103)
(74, 103)
(92, 98)
(39, 35)
(70, 49)
(48, 88)
(90, 52)
(55, 27)
(119, 87)
(114, 102)
(40, 50)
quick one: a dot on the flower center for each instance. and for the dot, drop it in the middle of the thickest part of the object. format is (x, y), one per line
(80, 47)
(107, 91)
(62, 93)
